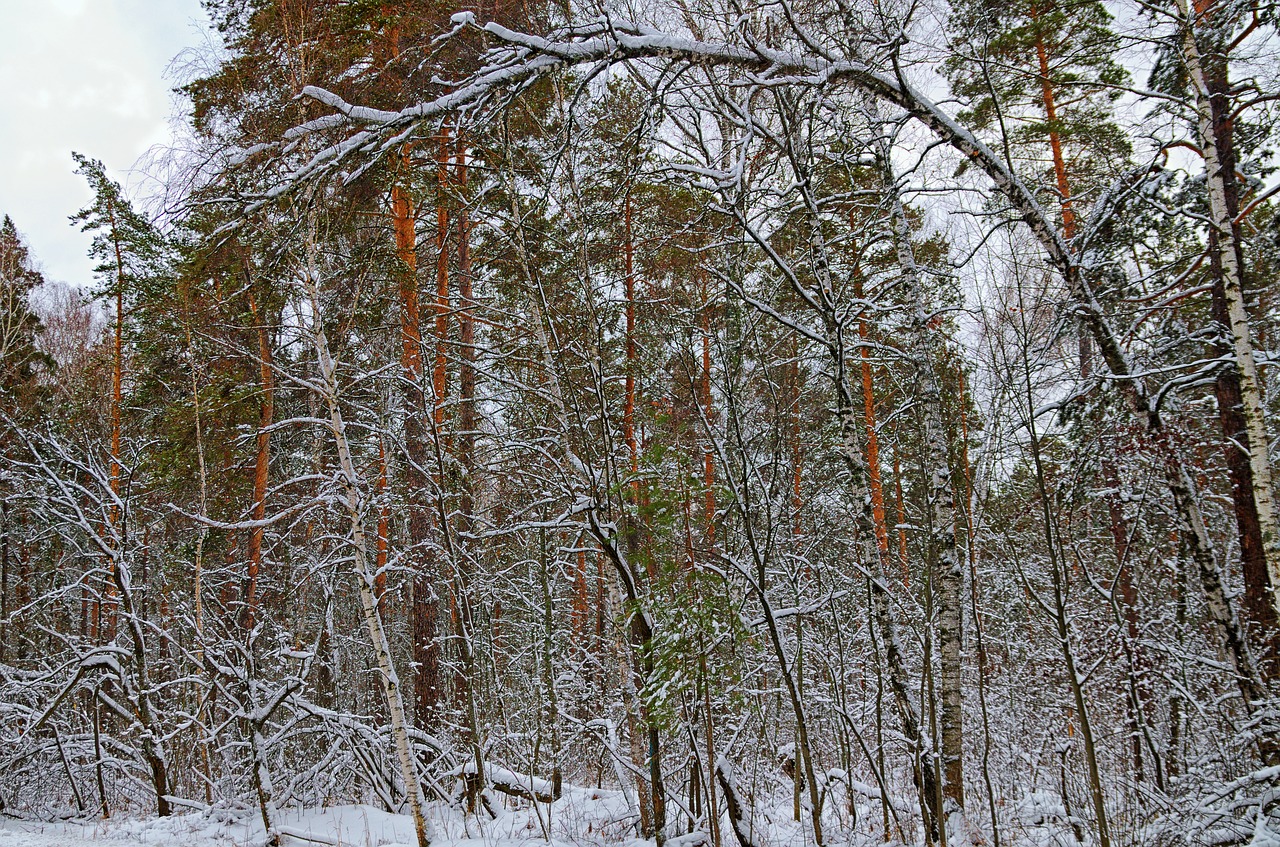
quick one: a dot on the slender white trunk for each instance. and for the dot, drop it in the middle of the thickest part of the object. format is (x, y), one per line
(197, 587)
(1220, 219)
(351, 489)
(942, 501)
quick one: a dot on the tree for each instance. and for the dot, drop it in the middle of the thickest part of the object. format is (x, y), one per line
(1204, 39)
(21, 362)
(699, 300)
(20, 357)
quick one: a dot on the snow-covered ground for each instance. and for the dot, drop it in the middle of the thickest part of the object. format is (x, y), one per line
(350, 826)
(593, 816)
(184, 830)
(581, 817)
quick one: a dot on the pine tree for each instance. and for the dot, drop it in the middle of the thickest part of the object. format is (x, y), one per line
(20, 357)
(1040, 72)
(21, 364)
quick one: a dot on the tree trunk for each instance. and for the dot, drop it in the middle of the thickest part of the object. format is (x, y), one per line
(467, 424)
(975, 612)
(153, 752)
(1182, 490)
(1055, 137)
(1209, 88)
(708, 452)
(823, 303)
(262, 460)
(1115, 509)
(428, 683)
(1127, 609)
(116, 516)
(1061, 622)
(869, 416)
(422, 609)
(262, 784)
(899, 680)
(942, 502)
(629, 408)
(740, 817)
(383, 545)
(352, 494)
(1259, 603)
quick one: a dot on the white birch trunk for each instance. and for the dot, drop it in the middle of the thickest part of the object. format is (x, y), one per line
(1233, 286)
(351, 489)
(942, 502)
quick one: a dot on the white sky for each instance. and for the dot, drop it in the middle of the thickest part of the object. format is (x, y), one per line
(89, 76)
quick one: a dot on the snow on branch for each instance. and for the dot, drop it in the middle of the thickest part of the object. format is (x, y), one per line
(524, 58)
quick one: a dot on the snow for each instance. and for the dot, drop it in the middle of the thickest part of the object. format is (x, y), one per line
(341, 825)
(509, 780)
(581, 814)
(186, 830)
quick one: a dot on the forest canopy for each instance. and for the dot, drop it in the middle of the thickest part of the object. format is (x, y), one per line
(701, 422)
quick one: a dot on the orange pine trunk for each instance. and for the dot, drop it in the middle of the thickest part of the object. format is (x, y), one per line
(1055, 136)
(262, 460)
(422, 610)
(873, 438)
(427, 653)
(404, 222)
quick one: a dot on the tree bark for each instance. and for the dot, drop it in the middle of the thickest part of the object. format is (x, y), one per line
(422, 612)
(153, 752)
(1259, 602)
(468, 423)
(352, 495)
(869, 417)
(262, 460)
(116, 516)
(1208, 77)
(1182, 490)
(1062, 627)
(942, 501)
(708, 452)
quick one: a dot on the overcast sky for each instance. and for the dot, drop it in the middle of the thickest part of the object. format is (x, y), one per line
(89, 76)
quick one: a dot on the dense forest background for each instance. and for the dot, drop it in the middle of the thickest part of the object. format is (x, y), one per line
(804, 421)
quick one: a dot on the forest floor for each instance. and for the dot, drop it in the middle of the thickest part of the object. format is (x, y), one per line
(348, 826)
(582, 816)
